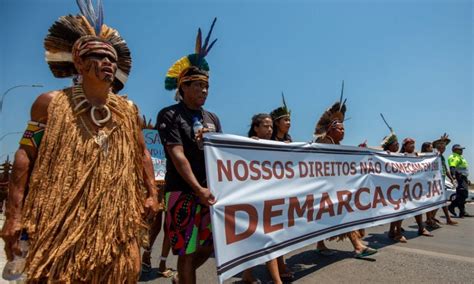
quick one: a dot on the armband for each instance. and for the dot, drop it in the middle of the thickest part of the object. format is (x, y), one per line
(33, 134)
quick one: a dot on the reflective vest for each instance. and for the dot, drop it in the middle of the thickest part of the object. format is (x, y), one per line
(458, 162)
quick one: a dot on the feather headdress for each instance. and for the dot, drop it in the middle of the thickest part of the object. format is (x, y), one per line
(281, 111)
(175, 75)
(391, 138)
(66, 32)
(443, 139)
(334, 114)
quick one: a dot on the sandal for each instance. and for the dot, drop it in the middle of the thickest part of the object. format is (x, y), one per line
(425, 233)
(167, 273)
(400, 239)
(451, 222)
(365, 252)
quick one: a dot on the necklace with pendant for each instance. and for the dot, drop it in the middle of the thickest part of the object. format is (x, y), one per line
(82, 105)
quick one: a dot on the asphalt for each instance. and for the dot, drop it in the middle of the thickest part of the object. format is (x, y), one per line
(448, 257)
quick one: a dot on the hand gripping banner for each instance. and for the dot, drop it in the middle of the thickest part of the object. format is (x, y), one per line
(275, 197)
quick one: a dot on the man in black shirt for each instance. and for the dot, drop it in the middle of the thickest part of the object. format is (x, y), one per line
(181, 127)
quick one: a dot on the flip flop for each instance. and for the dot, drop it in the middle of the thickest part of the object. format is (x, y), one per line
(167, 273)
(365, 252)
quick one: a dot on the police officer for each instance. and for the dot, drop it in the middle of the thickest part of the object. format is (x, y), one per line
(459, 169)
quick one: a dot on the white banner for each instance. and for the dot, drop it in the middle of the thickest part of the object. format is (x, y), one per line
(275, 197)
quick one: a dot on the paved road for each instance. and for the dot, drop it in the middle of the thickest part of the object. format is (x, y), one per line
(447, 257)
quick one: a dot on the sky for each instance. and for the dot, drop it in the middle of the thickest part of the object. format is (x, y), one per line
(410, 60)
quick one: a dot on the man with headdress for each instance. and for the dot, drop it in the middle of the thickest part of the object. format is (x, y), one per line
(84, 164)
(181, 127)
(440, 145)
(330, 130)
(459, 169)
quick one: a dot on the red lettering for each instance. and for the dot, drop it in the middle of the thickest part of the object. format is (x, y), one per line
(295, 207)
(303, 169)
(255, 170)
(420, 191)
(378, 197)
(266, 169)
(344, 202)
(290, 173)
(269, 213)
(389, 196)
(229, 221)
(325, 205)
(357, 202)
(221, 169)
(245, 169)
(278, 165)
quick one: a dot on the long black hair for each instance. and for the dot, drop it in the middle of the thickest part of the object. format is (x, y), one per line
(256, 120)
(425, 146)
(286, 137)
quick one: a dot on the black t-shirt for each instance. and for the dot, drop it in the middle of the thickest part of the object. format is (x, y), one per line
(175, 126)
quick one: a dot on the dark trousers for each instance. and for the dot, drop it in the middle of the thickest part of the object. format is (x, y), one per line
(462, 193)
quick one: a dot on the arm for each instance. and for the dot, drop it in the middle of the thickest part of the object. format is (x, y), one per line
(151, 202)
(183, 167)
(450, 176)
(25, 157)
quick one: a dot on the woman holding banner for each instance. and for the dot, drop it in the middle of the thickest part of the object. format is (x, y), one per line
(281, 128)
(408, 148)
(262, 128)
(391, 145)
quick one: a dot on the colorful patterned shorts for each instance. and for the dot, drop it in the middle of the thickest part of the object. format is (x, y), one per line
(188, 223)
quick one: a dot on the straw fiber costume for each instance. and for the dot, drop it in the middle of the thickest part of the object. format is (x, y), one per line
(84, 209)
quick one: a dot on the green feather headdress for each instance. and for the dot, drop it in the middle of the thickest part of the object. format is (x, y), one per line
(174, 76)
